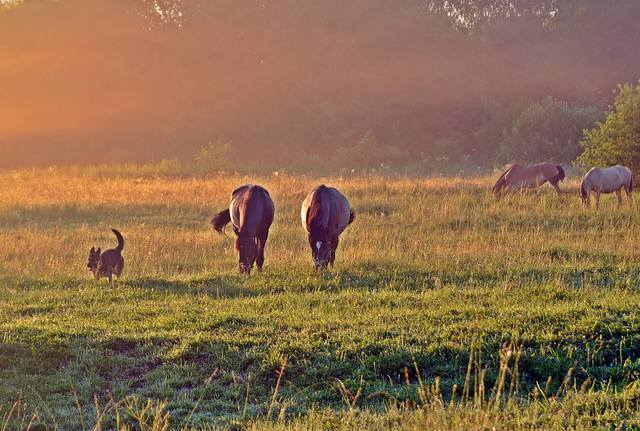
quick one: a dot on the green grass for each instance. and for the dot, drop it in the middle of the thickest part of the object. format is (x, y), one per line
(433, 273)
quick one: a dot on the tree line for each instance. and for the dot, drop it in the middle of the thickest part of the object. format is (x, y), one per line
(365, 83)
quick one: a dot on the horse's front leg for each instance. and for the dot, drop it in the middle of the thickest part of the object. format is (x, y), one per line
(334, 247)
(619, 198)
(597, 199)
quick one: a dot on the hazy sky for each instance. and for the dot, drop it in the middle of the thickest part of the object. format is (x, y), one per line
(105, 80)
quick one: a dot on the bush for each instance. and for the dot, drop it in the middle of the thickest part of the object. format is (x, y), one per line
(368, 152)
(617, 140)
(548, 130)
(213, 157)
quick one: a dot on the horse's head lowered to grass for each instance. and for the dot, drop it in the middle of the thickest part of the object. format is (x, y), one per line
(251, 212)
(325, 214)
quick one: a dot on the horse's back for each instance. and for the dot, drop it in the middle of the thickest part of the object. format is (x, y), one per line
(251, 203)
(264, 200)
(341, 209)
(622, 171)
(532, 176)
(621, 176)
(521, 176)
(334, 209)
(607, 180)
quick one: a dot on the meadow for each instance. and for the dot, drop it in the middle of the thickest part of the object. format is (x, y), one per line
(447, 308)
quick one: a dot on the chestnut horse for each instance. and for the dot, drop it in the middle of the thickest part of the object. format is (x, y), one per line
(607, 180)
(251, 212)
(325, 214)
(519, 177)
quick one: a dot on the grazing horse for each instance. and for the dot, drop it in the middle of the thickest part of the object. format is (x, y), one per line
(607, 180)
(519, 177)
(325, 214)
(251, 212)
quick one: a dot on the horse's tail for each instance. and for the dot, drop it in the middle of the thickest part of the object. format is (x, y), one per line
(120, 245)
(501, 181)
(559, 176)
(220, 220)
(352, 216)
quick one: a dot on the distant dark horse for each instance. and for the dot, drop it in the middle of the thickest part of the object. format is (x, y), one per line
(251, 212)
(325, 215)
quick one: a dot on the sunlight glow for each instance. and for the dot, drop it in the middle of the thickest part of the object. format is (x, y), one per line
(9, 3)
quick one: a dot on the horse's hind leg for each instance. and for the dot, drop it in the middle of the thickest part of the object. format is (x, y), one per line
(262, 241)
(627, 190)
(554, 184)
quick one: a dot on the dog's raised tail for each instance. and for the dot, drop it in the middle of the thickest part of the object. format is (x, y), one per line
(220, 220)
(120, 239)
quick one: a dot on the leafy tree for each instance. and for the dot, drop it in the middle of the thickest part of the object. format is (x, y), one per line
(617, 140)
(551, 14)
(550, 129)
(495, 119)
(5, 4)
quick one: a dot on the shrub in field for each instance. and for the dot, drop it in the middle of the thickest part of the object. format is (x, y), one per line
(550, 129)
(368, 152)
(617, 140)
(213, 157)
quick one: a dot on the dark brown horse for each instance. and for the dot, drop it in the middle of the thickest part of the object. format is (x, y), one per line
(325, 215)
(251, 212)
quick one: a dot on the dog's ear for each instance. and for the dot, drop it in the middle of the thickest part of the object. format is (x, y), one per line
(98, 250)
(93, 249)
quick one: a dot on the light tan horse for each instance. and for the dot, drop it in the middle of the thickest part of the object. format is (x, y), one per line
(519, 177)
(607, 180)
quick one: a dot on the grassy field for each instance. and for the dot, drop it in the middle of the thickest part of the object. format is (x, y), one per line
(447, 308)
